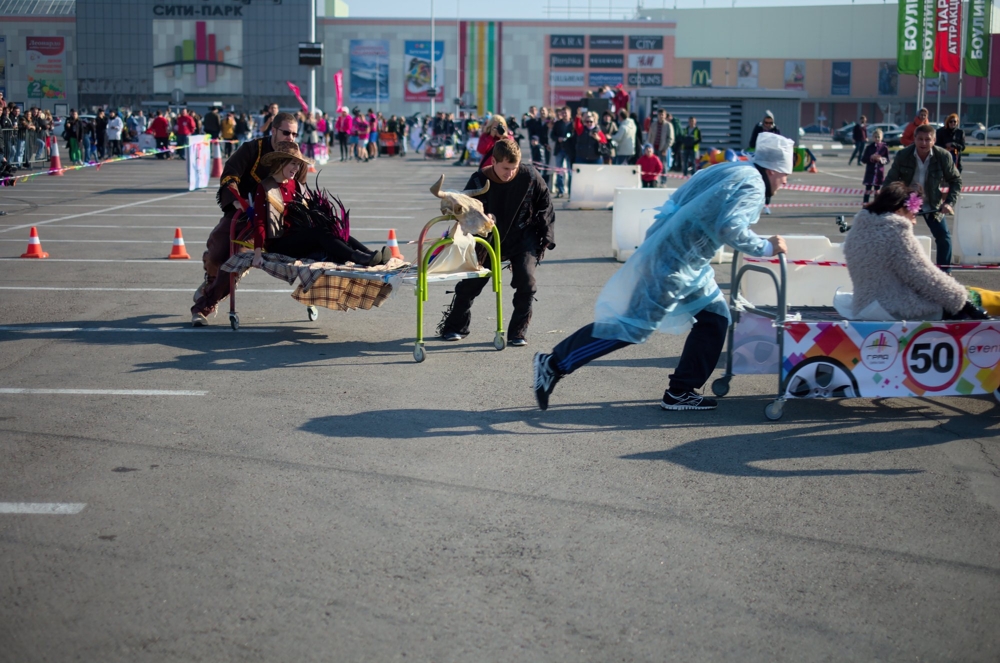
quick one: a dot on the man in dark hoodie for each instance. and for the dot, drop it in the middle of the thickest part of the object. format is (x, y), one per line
(519, 201)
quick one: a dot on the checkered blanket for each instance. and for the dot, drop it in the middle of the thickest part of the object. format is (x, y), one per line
(316, 288)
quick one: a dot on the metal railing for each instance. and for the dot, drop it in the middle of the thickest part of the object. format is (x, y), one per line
(26, 147)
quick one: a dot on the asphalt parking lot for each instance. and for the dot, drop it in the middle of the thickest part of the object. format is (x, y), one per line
(305, 491)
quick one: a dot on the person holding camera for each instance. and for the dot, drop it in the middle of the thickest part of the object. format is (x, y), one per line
(495, 129)
(591, 145)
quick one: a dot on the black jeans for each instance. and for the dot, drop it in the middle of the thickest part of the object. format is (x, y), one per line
(459, 314)
(702, 350)
(859, 148)
(942, 239)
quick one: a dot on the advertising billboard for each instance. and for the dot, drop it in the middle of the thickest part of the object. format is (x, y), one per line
(417, 70)
(369, 70)
(46, 68)
(840, 78)
(747, 72)
(795, 74)
(197, 56)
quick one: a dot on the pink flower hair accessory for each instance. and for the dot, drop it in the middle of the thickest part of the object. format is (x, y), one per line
(914, 203)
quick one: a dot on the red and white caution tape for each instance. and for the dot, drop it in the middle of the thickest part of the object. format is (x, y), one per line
(833, 263)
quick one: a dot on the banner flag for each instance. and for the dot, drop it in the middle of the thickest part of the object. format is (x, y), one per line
(908, 42)
(338, 83)
(928, 33)
(298, 95)
(946, 42)
(977, 38)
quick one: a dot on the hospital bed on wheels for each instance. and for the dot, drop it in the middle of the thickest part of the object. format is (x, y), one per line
(817, 353)
(421, 277)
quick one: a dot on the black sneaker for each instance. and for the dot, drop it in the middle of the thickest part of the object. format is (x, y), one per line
(517, 342)
(452, 336)
(687, 401)
(545, 379)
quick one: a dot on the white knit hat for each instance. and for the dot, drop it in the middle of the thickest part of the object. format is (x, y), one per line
(774, 152)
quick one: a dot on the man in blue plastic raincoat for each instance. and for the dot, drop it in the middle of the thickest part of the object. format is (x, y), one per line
(669, 284)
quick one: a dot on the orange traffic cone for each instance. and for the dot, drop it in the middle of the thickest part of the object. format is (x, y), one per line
(393, 244)
(55, 166)
(178, 252)
(216, 160)
(34, 246)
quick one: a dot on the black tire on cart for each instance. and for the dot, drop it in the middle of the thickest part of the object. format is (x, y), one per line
(234, 321)
(498, 341)
(720, 386)
(418, 353)
(312, 313)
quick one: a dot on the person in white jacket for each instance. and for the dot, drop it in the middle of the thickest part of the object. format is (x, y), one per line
(624, 139)
(114, 133)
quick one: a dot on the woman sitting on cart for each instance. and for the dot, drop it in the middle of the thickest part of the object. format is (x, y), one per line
(272, 228)
(891, 271)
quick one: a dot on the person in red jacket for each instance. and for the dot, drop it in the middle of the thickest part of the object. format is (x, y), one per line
(907, 138)
(159, 128)
(621, 98)
(185, 127)
(650, 167)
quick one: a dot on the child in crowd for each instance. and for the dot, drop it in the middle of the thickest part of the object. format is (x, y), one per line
(650, 166)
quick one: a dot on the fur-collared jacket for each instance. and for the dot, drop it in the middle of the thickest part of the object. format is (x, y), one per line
(887, 265)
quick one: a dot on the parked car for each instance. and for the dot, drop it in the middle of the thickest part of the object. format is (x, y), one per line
(845, 134)
(812, 129)
(994, 132)
(60, 123)
(971, 128)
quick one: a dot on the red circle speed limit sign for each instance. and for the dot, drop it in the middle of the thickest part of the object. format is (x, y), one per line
(933, 359)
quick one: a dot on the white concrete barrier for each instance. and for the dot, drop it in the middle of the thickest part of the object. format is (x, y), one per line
(635, 211)
(593, 185)
(976, 230)
(808, 285)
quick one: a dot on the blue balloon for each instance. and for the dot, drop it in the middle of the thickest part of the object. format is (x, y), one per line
(730, 155)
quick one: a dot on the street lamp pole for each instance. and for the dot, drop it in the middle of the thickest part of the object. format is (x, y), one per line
(312, 70)
(433, 82)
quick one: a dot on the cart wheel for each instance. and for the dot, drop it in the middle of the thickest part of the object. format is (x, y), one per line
(418, 353)
(774, 410)
(720, 387)
(498, 341)
(234, 321)
(312, 313)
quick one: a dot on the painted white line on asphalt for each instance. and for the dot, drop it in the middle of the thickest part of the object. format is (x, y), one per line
(109, 209)
(14, 287)
(99, 241)
(132, 330)
(41, 508)
(148, 261)
(103, 392)
(74, 225)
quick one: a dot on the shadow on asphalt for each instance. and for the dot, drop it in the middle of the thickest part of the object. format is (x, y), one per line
(817, 434)
(219, 348)
(820, 429)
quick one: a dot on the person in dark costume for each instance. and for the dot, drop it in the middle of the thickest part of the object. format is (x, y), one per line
(519, 201)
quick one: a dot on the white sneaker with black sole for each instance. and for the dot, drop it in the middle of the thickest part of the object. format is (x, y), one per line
(687, 401)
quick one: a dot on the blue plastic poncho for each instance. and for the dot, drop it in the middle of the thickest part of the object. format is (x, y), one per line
(669, 278)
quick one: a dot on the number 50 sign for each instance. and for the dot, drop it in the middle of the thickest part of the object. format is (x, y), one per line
(933, 359)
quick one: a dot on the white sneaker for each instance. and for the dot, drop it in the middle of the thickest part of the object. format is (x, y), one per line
(198, 320)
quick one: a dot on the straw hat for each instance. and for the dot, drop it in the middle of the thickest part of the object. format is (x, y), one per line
(284, 152)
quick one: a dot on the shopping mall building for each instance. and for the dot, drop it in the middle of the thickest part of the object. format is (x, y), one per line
(829, 63)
